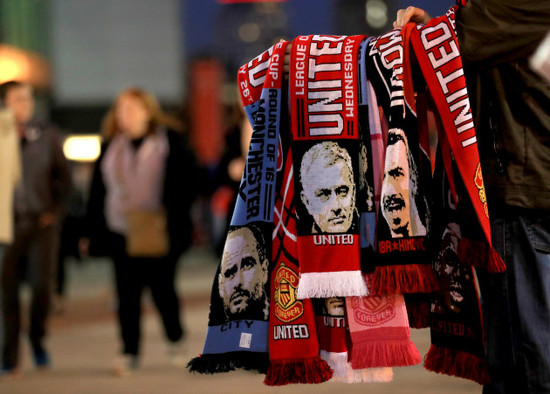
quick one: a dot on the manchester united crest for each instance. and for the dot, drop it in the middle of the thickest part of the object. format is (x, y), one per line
(373, 310)
(287, 307)
(478, 180)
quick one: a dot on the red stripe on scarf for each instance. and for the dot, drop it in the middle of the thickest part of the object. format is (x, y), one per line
(436, 48)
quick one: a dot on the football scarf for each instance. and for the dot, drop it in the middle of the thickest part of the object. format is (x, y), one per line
(324, 129)
(237, 335)
(456, 326)
(379, 330)
(293, 343)
(366, 200)
(436, 48)
(402, 245)
(334, 343)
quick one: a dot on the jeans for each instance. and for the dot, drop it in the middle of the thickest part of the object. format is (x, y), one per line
(516, 303)
(30, 257)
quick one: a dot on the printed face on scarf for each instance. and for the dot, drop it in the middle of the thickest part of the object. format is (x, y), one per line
(395, 186)
(328, 188)
(335, 306)
(243, 274)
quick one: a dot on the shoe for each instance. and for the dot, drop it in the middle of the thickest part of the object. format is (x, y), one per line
(41, 357)
(125, 364)
(177, 353)
(10, 373)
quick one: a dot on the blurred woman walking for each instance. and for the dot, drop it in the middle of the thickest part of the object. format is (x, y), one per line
(139, 215)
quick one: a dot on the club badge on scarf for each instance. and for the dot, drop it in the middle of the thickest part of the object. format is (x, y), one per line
(403, 261)
(324, 119)
(436, 48)
(379, 330)
(334, 343)
(237, 334)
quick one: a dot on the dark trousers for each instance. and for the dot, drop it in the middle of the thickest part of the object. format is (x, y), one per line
(132, 275)
(516, 303)
(31, 257)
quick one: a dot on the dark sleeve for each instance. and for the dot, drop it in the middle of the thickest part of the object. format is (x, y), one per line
(498, 31)
(61, 176)
(94, 218)
(180, 187)
(232, 150)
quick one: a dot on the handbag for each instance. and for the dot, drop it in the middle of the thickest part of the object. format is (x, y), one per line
(147, 234)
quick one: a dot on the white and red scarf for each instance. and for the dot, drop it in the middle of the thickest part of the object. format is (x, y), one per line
(436, 47)
(324, 129)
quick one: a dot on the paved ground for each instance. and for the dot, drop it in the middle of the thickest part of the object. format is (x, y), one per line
(83, 342)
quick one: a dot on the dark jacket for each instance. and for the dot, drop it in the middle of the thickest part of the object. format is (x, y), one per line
(511, 104)
(177, 196)
(46, 182)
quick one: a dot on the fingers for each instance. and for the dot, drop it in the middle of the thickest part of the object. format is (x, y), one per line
(411, 14)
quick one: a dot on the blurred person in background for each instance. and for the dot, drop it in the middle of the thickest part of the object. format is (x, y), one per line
(144, 166)
(230, 172)
(39, 204)
(10, 173)
(72, 230)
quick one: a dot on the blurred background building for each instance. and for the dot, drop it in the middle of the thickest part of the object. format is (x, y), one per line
(79, 53)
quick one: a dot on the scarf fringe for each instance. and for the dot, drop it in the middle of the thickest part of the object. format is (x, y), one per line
(331, 284)
(384, 354)
(457, 363)
(343, 373)
(304, 370)
(480, 254)
(227, 362)
(418, 312)
(401, 279)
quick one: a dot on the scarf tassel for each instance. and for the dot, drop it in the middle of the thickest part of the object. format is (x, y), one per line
(344, 373)
(480, 254)
(331, 284)
(457, 363)
(226, 362)
(289, 371)
(384, 354)
(402, 279)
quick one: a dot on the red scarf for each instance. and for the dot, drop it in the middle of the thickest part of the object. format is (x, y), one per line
(293, 344)
(380, 332)
(436, 48)
(334, 344)
(324, 119)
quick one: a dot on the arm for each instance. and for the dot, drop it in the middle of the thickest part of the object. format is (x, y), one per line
(493, 31)
(497, 31)
(180, 185)
(61, 183)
